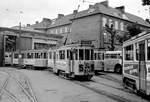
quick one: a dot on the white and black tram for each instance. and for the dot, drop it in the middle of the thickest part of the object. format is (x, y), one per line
(75, 60)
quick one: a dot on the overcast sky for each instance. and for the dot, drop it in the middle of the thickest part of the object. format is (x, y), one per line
(30, 11)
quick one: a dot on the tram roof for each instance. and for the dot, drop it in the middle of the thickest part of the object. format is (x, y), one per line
(138, 38)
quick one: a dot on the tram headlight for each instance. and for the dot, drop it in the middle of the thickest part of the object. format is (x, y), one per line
(80, 67)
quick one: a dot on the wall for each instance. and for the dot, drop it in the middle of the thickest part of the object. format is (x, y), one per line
(86, 28)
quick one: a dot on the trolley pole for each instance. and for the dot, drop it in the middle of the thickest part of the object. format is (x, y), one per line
(19, 47)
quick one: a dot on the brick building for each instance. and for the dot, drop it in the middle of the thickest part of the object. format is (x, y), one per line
(90, 24)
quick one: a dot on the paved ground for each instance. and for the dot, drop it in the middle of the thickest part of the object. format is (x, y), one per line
(47, 87)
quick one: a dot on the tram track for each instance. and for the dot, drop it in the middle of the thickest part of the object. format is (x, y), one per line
(106, 76)
(102, 92)
(30, 94)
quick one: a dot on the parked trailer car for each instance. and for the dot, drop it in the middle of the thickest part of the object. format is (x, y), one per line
(31, 58)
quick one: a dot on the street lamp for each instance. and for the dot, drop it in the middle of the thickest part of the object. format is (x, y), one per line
(19, 41)
(19, 47)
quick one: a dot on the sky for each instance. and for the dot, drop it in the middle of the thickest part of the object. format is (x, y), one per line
(29, 11)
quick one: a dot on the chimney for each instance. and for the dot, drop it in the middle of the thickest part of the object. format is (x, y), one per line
(46, 20)
(60, 16)
(105, 3)
(75, 11)
(148, 20)
(28, 25)
(121, 8)
(36, 22)
(91, 6)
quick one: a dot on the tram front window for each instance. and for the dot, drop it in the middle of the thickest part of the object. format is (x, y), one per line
(81, 57)
(129, 52)
(87, 54)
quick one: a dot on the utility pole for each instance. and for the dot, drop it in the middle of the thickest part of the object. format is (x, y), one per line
(4, 45)
(19, 47)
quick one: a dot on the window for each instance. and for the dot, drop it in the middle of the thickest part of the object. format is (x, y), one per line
(50, 55)
(128, 51)
(121, 26)
(62, 54)
(100, 56)
(105, 36)
(56, 32)
(137, 51)
(29, 55)
(92, 53)
(107, 56)
(148, 50)
(45, 55)
(60, 30)
(87, 54)
(116, 25)
(110, 22)
(104, 20)
(76, 54)
(81, 57)
(37, 55)
(66, 29)
(15, 55)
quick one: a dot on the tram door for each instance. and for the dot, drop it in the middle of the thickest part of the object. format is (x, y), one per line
(54, 62)
(71, 60)
(142, 67)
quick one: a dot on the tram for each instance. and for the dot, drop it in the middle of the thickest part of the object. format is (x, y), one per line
(74, 60)
(8, 58)
(31, 58)
(70, 61)
(136, 63)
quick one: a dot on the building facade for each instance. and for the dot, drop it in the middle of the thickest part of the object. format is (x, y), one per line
(14, 40)
(90, 24)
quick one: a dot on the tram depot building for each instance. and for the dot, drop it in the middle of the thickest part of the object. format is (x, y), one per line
(87, 24)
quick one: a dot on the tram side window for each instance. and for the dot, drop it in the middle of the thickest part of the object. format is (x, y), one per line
(137, 51)
(29, 55)
(81, 54)
(107, 56)
(36, 55)
(22, 55)
(129, 52)
(42, 56)
(62, 54)
(100, 56)
(148, 50)
(45, 55)
(114, 56)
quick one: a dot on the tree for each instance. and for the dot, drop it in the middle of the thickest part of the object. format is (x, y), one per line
(145, 2)
(110, 29)
(133, 29)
